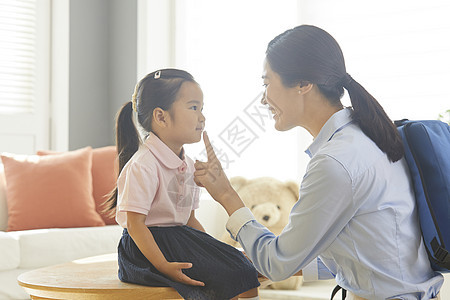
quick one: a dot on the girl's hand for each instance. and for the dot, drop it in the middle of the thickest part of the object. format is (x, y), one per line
(210, 174)
(173, 270)
(146, 243)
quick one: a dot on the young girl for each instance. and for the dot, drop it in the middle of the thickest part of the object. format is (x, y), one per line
(163, 244)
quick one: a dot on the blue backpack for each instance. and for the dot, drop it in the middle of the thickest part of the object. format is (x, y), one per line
(427, 152)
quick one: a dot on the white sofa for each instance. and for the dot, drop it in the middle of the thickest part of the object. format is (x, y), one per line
(22, 251)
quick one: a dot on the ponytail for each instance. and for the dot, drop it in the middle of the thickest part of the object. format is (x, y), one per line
(373, 120)
(127, 140)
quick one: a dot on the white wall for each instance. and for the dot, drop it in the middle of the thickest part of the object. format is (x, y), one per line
(122, 56)
(102, 67)
(88, 73)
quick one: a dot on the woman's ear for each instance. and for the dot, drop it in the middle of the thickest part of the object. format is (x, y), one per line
(304, 87)
(160, 117)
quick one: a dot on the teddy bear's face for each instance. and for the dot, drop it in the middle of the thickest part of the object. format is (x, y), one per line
(268, 214)
(269, 200)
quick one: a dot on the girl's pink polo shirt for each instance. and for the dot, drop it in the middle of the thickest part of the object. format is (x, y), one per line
(157, 183)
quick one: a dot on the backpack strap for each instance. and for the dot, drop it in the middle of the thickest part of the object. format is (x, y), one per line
(441, 253)
(336, 290)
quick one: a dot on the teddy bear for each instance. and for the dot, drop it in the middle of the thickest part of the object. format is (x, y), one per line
(270, 201)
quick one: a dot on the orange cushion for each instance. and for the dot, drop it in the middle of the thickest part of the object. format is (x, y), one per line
(50, 191)
(104, 177)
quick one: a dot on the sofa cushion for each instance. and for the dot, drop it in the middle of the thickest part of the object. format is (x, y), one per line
(50, 191)
(44, 247)
(10, 252)
(104, 177)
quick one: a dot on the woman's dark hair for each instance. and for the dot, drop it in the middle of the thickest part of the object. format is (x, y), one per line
(157, 89)
(309, 54)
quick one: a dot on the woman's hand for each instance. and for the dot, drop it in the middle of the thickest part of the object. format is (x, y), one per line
(211, 176)
(173, 270)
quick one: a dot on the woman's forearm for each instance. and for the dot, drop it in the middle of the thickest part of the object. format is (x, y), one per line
(230, 201)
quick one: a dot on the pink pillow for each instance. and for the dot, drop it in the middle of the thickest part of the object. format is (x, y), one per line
(104, 177)
(50, 191)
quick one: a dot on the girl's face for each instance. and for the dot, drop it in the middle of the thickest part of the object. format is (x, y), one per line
(283, 102)
(186, 118)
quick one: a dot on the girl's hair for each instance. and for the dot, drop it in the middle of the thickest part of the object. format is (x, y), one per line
(157, 89)
(309, 54)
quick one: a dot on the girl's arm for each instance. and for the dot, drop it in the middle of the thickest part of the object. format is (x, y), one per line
(146, 243)
(194, 223)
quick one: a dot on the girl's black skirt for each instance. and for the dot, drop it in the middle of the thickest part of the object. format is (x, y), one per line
(225, 271)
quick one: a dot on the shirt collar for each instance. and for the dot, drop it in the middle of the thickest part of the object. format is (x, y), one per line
(163, 153)
(335, 123)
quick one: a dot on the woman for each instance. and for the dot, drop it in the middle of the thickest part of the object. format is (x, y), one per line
(356, 211)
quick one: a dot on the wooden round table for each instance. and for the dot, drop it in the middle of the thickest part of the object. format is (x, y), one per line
(90, 278)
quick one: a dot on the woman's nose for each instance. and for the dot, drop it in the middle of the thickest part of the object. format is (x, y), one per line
(263, 99)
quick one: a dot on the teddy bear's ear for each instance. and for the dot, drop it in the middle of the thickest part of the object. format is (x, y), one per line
(293, 187)
(237, 182)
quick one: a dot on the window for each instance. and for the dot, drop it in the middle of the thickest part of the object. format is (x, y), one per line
(24, 75)
(17, 56)
(398, 50)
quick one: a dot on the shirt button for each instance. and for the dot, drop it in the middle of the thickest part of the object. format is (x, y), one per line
(182, 168)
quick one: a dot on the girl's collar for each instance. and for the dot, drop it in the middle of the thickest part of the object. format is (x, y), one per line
(163, 153)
